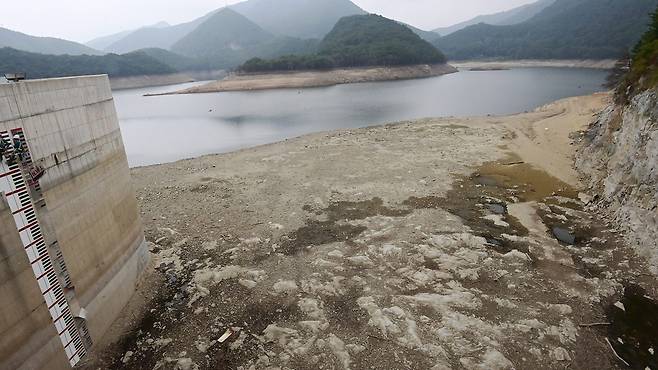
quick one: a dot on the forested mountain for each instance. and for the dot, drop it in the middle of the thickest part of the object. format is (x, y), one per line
(43, 45)
(360, 40)
(297, 18)
(41, 66)
(506, 18)
(568, 29)
(375, 40)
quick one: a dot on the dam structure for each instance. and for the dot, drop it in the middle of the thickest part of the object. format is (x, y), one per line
(72, 246)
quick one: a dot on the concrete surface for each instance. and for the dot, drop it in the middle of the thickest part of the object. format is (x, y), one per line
(26, 329)
(72, 131)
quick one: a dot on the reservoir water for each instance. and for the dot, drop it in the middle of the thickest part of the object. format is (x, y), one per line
(168, 128)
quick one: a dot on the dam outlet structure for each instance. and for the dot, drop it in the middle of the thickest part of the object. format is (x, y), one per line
(72, 246)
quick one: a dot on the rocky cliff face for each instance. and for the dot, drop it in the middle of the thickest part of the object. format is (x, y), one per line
(619, 162)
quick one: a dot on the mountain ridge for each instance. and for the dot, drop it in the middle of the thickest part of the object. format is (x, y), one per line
(505, 18)
(297, 18)
(103, 42)
(292, 18)
(42, 45)
(156, 37)
(567, 29)
(358, 41)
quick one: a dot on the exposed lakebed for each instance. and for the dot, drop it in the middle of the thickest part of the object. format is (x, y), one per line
(420, 244)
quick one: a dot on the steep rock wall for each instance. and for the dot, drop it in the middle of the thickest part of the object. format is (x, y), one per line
(620, 164)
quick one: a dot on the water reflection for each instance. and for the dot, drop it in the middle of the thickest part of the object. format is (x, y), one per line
(168, 128)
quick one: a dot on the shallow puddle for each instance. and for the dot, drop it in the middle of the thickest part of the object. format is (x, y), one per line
(564, 236)
(529, 183)
(498, 209)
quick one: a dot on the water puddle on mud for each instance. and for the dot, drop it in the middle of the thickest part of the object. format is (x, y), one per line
(530, 183)
(498, 209)
(481, 201)
(520, 182)
(633, 329)
(633, 332)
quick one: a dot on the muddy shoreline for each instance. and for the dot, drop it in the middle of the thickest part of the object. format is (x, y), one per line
(487, 65)
(425, 244)
(134, 82)
(296, 80)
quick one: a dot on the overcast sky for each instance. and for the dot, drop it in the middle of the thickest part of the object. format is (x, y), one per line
(82, 20)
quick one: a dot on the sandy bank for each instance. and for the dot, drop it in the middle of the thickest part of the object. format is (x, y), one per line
(533, 63)
(548, 137)
(422, 244)
(241, 82)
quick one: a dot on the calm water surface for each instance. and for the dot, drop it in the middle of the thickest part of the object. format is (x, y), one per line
(168, 128)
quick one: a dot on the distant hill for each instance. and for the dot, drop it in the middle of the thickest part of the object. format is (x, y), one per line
(177, 61)
(102, 43)
(359, 40)
(43, 66)
(302, 19)
(43, 45)
(425, 35)
(155, 37)
(513, 16)
(291, 23)
(297, 18)
(227, 39)
(224, 31)
(568, 29)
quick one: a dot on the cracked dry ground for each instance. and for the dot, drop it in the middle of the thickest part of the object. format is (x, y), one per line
(408, 246)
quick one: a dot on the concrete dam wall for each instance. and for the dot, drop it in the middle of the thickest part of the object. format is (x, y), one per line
(71, 241)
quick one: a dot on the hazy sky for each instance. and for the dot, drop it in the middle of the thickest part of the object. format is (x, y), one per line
(82, 20)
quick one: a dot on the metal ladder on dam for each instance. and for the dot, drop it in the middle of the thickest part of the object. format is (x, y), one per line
(20, 186)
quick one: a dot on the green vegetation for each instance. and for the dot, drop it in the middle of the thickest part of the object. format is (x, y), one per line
(43, 66)
(356, 41)
(567, 29)
(288, 63)
(365, 40)
(643, 72)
